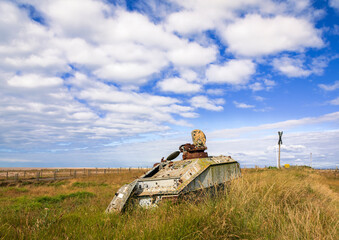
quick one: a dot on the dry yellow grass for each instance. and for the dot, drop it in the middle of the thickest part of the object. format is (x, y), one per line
(263, 204)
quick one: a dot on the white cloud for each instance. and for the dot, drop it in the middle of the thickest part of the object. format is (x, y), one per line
(178, 85)
(255, 36)
(73, 18)
(334, 4)
(242, 105)
(17, 160)
(88, 110)
(233, 72)
(297, 145)
(335, 101)
(131, 51)
(262, 85)
(204, 102)
(291, 67)
(186, 22)
(200, 15)
(192, 55)
(288, 148)
(335, 29)
(103, 100)
(77, 76)
(215, 91)
(34, 81)
(259, 98)
(269, 83)
(257, 86)
(332, 87)
(188, 74)
(288, 124)
(190, 115)
(295, 66)
(127, 72)
(259, 149)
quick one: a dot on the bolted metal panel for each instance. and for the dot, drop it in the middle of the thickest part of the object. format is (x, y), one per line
(157, 186)
(171, 179)
(214, 175)
(121, 197)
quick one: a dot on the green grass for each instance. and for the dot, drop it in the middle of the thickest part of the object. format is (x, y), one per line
(263, 204)
(88, 184)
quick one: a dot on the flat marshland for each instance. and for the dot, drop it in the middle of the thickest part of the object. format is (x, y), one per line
(262, 204)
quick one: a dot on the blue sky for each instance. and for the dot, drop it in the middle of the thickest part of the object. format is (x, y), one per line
(90, 83)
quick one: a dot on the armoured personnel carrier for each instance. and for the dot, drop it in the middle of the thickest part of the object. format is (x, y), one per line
(173, 179)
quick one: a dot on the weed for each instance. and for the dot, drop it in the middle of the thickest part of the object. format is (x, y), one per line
(16, 189)
(57, 183)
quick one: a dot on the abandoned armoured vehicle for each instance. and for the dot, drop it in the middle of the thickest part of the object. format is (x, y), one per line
(172, 179)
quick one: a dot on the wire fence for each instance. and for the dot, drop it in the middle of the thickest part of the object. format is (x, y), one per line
(58, 174)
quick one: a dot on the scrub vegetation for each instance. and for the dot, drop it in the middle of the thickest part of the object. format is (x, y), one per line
(262, 204)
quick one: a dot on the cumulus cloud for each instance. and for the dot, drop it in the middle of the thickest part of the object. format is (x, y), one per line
(85, 70)
(257, 86)
(296, 67)
(178, 85)
(205, 103)
(187, 22)
(131, 51)
(291, 67)
(192, 55)
(199, 15)
(266, 84)
(127, 72)
(57, 75)
(189, 74)
(233, 72)
(255, 35)
(34, 81)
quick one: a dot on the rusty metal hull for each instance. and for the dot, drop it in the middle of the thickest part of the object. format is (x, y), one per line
(174, 179)
(214, 175)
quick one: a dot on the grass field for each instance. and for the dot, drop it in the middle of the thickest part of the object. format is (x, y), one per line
(263, 204)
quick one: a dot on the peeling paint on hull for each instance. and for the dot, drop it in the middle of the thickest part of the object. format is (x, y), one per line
(173, 179)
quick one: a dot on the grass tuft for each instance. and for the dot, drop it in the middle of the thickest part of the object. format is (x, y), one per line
(88, 184)
(292, 203)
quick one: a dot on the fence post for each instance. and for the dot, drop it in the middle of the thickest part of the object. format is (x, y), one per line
(70, 172)
(104, 171)
(24, 174)
(7, 175)
(88, 172)
(16, 177)
(75, 173)
(37, 176)
(96, 170)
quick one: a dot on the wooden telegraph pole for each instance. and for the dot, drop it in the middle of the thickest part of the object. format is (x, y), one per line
(279, 143)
